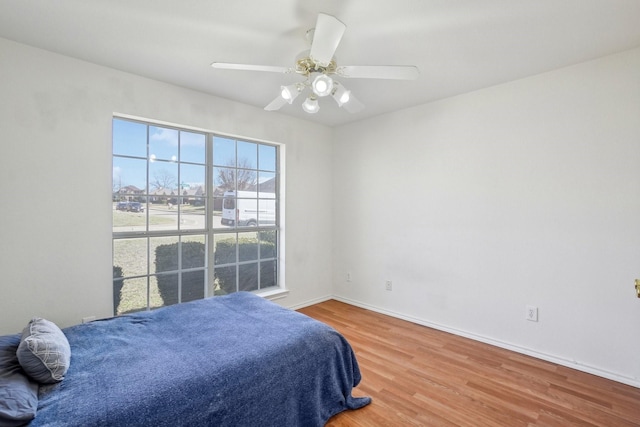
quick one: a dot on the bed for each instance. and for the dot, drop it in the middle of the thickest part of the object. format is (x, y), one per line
(236, 360)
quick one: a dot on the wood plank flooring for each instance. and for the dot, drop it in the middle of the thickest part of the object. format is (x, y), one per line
(418, 376)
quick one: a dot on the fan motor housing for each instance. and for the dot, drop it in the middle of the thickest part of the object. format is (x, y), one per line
(306, 65)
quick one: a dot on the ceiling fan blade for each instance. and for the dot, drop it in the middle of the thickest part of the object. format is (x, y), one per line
(395, 72)
(353, 106)
(276, 104)
(326, 37)
(247, 67)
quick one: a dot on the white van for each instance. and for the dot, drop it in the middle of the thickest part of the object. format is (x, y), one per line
(248, 209)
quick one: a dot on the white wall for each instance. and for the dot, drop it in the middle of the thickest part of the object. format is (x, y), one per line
(479, 205)
(475, 206)
(55, 181)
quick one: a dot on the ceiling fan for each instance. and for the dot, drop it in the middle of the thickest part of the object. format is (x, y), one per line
(319, 67)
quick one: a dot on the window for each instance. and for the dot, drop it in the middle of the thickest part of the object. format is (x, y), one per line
(194, 215)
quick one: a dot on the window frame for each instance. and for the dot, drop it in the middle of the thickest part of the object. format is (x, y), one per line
(210, 231)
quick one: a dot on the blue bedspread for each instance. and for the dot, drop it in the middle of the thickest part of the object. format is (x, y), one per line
(237, 360)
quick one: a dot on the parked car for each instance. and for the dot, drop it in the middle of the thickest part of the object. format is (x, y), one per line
(122, 206)
(135, 207)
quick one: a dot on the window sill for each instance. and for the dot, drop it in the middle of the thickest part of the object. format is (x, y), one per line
(274, 294)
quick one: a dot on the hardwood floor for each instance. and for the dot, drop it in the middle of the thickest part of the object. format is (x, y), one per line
(419, 376)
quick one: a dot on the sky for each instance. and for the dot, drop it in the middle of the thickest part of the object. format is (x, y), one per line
(179, 154)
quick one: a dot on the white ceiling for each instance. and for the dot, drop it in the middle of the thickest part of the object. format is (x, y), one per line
(458, 45)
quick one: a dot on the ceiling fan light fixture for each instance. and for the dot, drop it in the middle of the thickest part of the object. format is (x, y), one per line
(341, 95)
(318, 65)
(290, 92)
(310, 105)
(322, 85)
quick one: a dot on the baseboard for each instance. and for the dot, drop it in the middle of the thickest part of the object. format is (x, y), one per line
(518, 349)
(311, 302)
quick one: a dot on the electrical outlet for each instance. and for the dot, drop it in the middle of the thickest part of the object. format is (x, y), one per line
(532, 313)
(388, 285)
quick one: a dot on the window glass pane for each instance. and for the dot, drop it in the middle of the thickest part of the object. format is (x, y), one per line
(192, 214)
(228, 214)
(247, 246)
(193, 251)
(155, 299)
(192, 147)
(134, 293)
(192, 180)
(266, 212)
(163, 213)
(225, 280)
(229, 202)
(217, 212)
(164, 253)
(131, 256)
(168, 288)
(129, 176)
(248, 277)
(129, 138)
(192, 202)
(224, 179)
(247, 180)
(224, 152)
(192, 285)
(266, 157)
(133, 296)
(224, 249)
(247, 212)
(247, 155)
(163, 144)
(268, 244)
(267, 184)
(163, 176)
(129, 215)
(163, 197)
(268, 277)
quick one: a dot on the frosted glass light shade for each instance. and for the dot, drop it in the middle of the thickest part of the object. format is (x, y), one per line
(341, 95)
(311, 105)
(322, 85)
(289, 93)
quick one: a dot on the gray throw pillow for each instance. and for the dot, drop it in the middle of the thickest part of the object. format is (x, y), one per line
(44, 352)
(18, 393)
